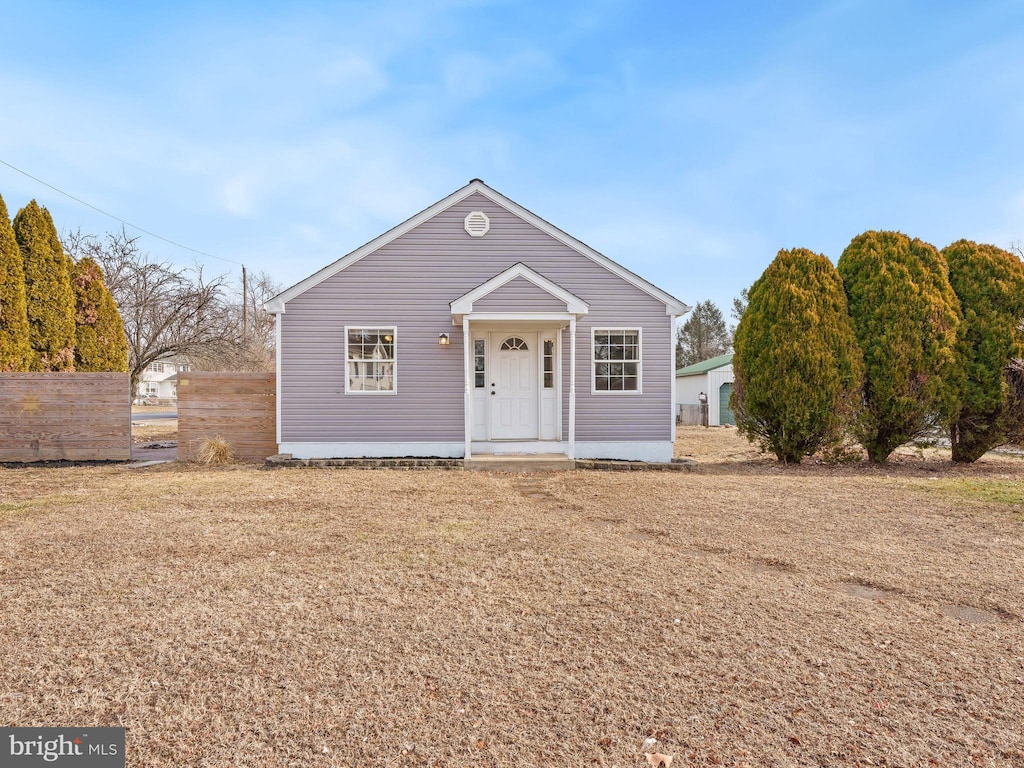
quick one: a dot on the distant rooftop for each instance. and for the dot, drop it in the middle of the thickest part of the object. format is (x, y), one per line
(705, 365)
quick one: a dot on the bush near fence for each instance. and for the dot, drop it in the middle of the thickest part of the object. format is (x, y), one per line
(239, 407)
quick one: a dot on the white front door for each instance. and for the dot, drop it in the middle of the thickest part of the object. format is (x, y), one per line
(513, 386)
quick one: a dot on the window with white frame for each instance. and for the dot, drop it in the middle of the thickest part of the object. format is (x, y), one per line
(549, 363)
(479, 364)
(156, 367)
(152, 390)
(616, 360)
(370, 359)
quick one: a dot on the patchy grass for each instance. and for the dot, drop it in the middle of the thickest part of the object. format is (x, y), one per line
(983, 489)
(744, 614)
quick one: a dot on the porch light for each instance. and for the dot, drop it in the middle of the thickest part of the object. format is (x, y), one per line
(442, 339)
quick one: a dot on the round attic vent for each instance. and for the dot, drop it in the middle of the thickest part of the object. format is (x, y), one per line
(477, 224)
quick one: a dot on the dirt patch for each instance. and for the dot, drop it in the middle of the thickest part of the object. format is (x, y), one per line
(970, 614)
(868, 592)
(435, 618)
(158, 430)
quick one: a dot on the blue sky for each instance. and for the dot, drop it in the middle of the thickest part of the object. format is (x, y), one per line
(687, 140)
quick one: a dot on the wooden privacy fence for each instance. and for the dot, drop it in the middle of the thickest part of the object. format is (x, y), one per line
(239, 407)
(71, 416)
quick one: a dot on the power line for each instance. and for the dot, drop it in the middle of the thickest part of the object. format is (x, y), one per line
(118, 218)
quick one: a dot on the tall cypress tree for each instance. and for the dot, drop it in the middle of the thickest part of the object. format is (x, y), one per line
(50, 300)
(906, 317)
(990, 285)
(100, 343)
(14, 346)
(797, 364)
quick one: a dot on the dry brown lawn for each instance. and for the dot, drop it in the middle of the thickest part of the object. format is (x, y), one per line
(743, 614)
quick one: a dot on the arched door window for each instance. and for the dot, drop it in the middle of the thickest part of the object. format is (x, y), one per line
(513, 343)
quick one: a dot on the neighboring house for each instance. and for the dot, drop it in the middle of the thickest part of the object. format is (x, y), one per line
(159, 381)
(475, 327)
(713, 378)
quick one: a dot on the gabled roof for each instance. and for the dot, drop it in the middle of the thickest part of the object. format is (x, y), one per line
(673, 306)
(573, 303)
(706, 365)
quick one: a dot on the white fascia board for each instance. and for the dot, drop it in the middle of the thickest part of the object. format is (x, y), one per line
(573, 304)
(673, 306)
(522, 317)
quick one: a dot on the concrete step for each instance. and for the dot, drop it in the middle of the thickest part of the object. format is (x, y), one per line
(539, 462)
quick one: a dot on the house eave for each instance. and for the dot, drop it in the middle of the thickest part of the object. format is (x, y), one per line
(673, 306)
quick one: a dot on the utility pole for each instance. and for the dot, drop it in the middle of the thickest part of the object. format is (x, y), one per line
(245, 307)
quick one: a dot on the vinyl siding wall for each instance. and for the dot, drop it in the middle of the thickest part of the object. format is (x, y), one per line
(409, 283)
(520, 294)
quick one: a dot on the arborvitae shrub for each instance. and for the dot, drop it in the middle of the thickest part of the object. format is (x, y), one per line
(906, 318)
(14, 345)
(50, 302)
(100, 343)
(989, 283)
(796, 361)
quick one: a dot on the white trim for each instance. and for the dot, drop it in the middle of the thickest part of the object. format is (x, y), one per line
(364, 450)
(514, 447)
(464, 304)
(394, 358)
(648, 450)
(673, 306)
(639, 362)
(469, 372)
(277, 374)
(572, 389)
(516, 317)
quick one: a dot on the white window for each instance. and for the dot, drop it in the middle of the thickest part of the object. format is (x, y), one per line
(479, 363)
(156, 367)
(549, 363)
(370, 360)
(152, 390)
(616, 360)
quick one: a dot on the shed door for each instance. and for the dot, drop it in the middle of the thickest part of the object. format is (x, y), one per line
(725, 415)
(514, 387)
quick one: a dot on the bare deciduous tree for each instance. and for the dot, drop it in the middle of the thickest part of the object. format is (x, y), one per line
(255, 347)
(166, 311)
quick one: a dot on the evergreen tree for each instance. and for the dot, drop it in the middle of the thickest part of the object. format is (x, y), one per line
(14, 346)
(989, 283)
(49, 298)
(100, 343)
(797, 364)
(906, 317)
(702, 336)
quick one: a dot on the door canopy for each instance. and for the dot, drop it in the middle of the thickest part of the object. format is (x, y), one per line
(564, 305)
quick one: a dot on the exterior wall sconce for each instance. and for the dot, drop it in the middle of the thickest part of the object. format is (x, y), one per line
(442, 339)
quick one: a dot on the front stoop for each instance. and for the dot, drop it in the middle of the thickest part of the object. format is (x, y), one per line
(539, 462)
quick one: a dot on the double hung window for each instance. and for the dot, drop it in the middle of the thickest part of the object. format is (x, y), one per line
(616, 360)
(370, 360)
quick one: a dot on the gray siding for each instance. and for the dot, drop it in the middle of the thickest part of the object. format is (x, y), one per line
(409, 283)
(519, 295)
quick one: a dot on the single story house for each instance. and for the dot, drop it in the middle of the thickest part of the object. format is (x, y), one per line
(475, 327)
(712, 378)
